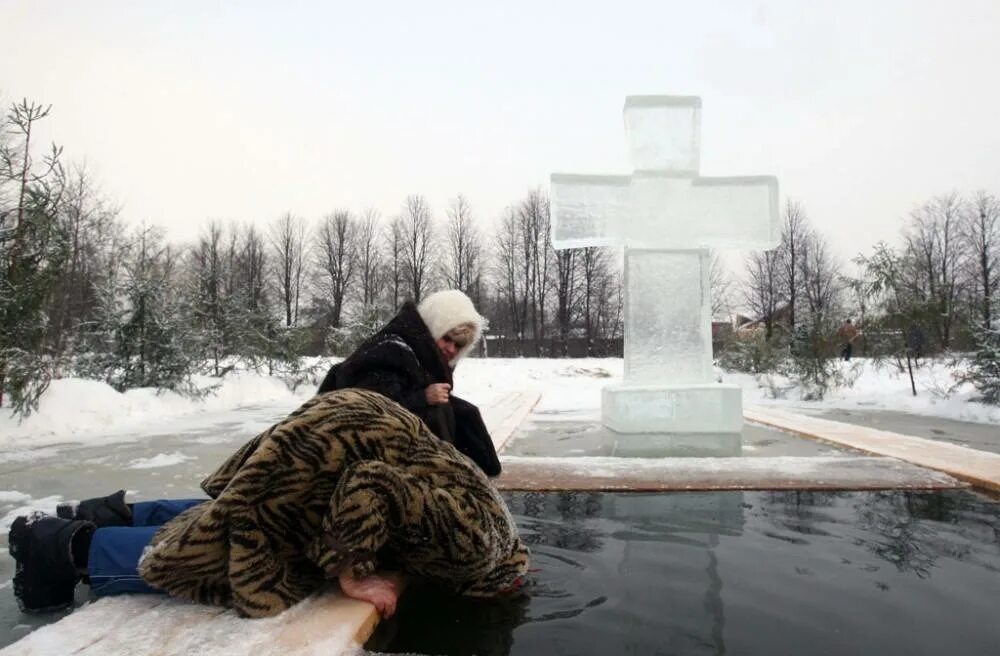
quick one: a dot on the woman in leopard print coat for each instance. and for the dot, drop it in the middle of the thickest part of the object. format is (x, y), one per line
(347, 482)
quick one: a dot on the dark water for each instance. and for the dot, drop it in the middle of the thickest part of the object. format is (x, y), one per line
(732, 573)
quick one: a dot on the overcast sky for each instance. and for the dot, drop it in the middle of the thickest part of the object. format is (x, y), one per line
(245, 110)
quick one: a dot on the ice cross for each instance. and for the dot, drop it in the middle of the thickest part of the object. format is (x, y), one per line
(666, 216)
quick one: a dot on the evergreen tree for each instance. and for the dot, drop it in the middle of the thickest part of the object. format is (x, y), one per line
(141, 336)
(984, 370)
(33, 248)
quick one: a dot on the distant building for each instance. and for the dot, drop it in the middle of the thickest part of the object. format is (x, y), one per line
(781, 321)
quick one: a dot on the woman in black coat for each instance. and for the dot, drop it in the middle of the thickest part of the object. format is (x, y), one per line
(410, 361)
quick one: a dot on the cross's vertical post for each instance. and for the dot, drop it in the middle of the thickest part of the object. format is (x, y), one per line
(667, 217)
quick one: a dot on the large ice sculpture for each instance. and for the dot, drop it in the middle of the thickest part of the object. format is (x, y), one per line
(666, 217)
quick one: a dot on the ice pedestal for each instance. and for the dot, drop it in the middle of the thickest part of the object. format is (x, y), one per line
(669, 386)
(708, 408)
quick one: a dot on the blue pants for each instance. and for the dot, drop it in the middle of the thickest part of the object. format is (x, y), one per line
(115, 550)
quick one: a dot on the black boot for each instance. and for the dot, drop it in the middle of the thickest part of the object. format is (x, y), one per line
(45, 574)
(102, 511)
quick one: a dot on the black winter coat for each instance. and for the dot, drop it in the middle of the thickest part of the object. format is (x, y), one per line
(399, 362)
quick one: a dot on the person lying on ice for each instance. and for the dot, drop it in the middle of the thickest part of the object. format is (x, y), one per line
(349, 483)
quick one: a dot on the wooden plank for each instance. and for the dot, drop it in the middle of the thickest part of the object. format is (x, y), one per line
(504, 416)
(166, 629)
(86, 626)
(151, 625)
(673, 474)
(313, 626)
(980, 468)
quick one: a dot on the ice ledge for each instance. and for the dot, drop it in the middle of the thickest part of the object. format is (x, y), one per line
(708, 408)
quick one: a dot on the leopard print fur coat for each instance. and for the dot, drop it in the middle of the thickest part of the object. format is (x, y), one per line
(347, 480)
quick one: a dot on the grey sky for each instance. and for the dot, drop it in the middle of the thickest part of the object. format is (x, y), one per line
(245, 110)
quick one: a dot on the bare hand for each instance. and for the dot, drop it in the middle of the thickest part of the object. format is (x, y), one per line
(437, 393)
(382, 591)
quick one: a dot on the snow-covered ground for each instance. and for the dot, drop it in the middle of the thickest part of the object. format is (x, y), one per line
(880, 388)
(84, 411)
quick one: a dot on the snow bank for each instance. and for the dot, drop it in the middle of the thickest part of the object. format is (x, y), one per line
(881, 388)
(73, 409)
(567, 385)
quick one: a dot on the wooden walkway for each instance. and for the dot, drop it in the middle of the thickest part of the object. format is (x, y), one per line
(980, 468)
(689, 474)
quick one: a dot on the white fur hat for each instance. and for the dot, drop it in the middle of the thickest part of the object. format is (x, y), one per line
(444, 310)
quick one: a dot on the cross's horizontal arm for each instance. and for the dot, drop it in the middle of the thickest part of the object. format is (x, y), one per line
(656, 210)
(587, 209)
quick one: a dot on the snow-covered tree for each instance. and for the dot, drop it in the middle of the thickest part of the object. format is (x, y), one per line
(33, 248)
(337, 258)
(984, 369)
(141, 337)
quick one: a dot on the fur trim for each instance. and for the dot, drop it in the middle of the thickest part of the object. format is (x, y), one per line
(447, 309)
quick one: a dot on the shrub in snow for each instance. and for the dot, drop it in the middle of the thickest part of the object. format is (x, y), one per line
(753, 354)
(26, 376)
(810, 366)
(984, 369)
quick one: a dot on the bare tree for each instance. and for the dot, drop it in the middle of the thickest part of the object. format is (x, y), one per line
(288, 243)
(820, 280)
(933, 239)
(511, 283)
(462, 267)
(369, 259)
(794, 233)
(763, 288)
(252, 270)
(417, 237)
(533, 221)
(337, 255)
(595, 269)
(89, 222)
(609, 300)
(720, 285)
(567, 292)
(248, 306)
(394, 268)
(981, 240)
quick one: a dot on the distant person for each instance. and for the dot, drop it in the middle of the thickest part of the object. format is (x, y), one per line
(916, 341)
(410, 360)
(847, 333)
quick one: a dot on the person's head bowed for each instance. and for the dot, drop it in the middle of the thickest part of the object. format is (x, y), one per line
(452, 321)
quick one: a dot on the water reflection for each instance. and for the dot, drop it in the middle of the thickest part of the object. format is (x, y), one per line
(429, 620)
(715, 573)
(899, 527)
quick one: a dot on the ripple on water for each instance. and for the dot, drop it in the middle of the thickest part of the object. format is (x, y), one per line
(733, 572)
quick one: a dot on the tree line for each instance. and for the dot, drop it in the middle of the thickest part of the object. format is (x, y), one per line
(82, 293)
(937, 291)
